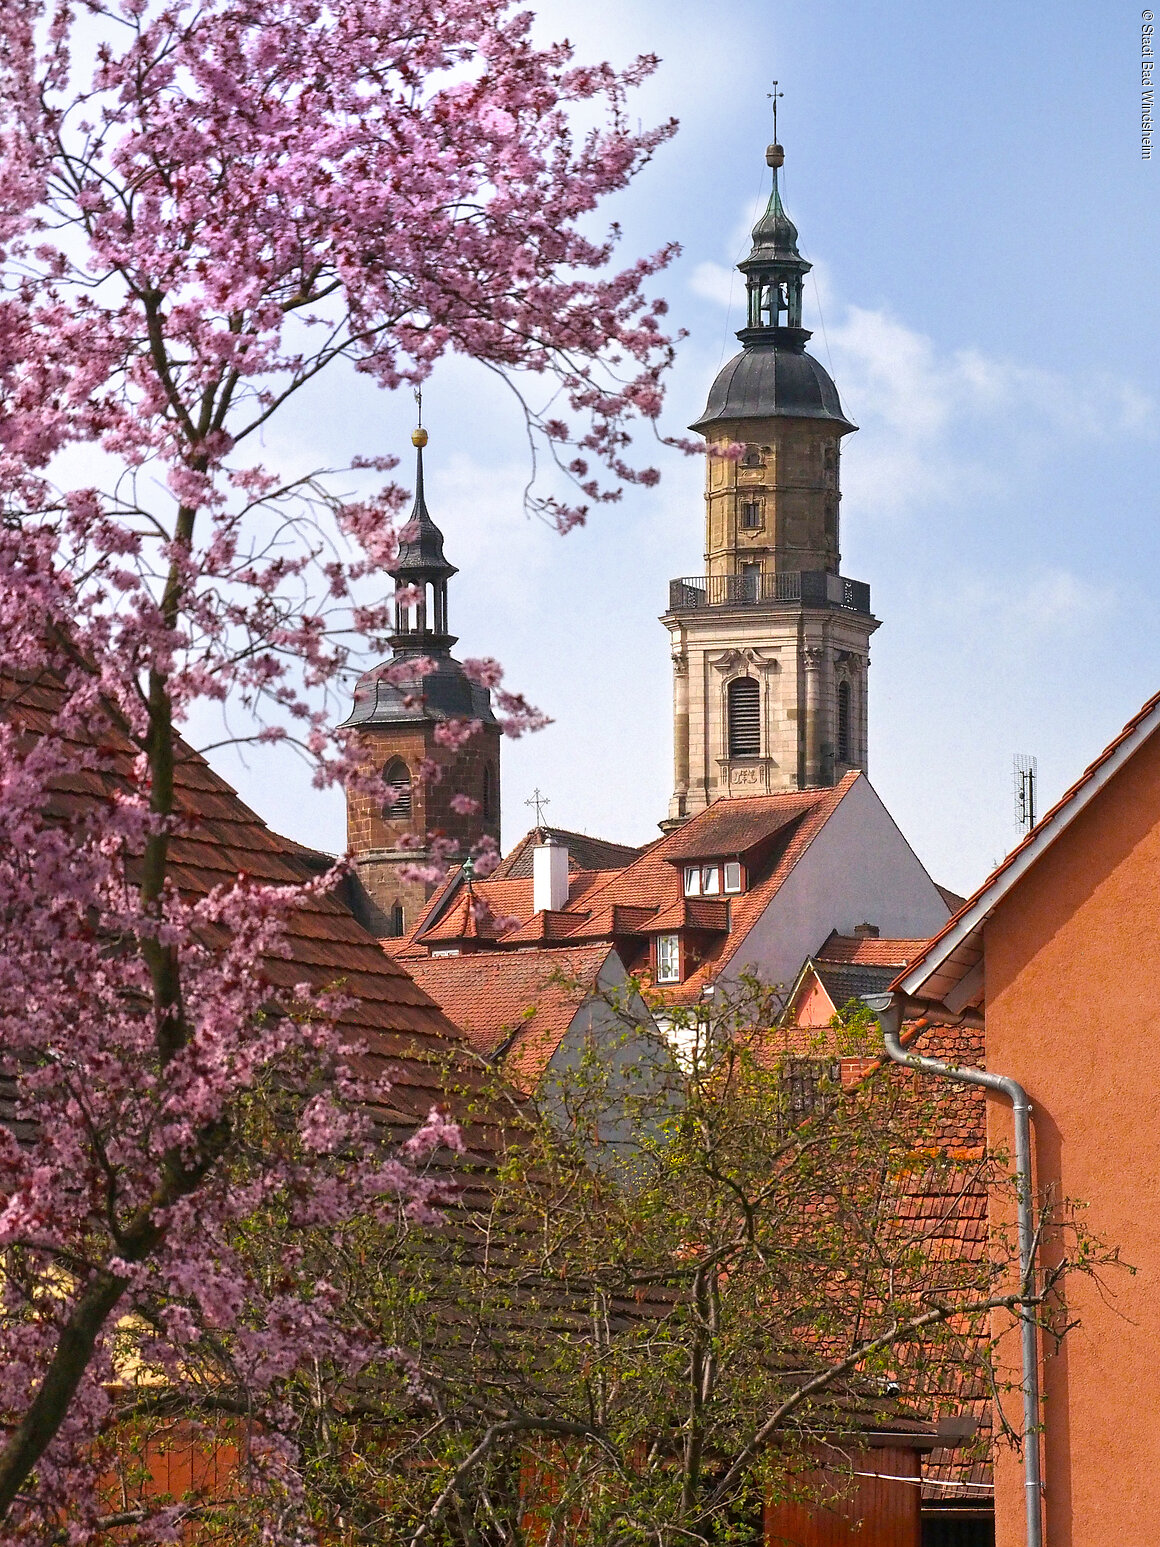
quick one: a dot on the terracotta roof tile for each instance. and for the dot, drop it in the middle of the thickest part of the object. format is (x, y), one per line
(584, 853)
(520, 1001)
(871, 951)
(619, 904)
(406, 1036)
(736, 826)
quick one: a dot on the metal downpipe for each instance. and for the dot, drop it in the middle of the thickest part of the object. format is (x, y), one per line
(888, 1008)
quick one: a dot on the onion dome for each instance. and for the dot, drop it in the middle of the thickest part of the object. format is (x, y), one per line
(411, 695)
(773, 377)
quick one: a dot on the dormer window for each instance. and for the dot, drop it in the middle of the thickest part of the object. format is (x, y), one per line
(668, 958)
(732, 876)
(705, 880)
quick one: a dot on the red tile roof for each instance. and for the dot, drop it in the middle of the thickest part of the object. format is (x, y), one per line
(868, 951)
(736, 826)
(584, 853)
(521, 1002)
(405, 1034)
(647, 896)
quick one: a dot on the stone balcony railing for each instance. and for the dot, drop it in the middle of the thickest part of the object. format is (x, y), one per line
(808, 588)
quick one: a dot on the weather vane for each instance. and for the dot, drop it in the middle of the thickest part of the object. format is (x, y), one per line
(773, 96)
(539, 801)
(419, 390)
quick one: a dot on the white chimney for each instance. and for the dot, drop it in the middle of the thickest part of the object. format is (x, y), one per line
(549, 876)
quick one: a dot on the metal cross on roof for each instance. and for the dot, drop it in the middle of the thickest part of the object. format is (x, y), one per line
(774, 95)
(539, 801)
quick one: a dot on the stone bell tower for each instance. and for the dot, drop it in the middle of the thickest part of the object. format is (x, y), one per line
(399, 708)
(771, 644)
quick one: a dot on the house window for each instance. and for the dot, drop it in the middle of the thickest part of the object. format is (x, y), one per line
(668, 958)
(751, 515)
(704, 881)
(744, 715)
(844, 755)
(733, 876)
(397, 778)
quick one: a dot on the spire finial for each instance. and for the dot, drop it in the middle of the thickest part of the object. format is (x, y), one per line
(773, 97)
(419, 434)
(774, 155)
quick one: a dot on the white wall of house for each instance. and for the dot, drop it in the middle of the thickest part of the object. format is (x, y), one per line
(858, 870)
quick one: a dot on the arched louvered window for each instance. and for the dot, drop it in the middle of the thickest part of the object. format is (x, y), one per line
(397, 778)
(744, 718)
(844, 743)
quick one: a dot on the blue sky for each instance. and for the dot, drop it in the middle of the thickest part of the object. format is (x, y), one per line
(968, 184)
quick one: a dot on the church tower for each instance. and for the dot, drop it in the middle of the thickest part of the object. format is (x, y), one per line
(771, 644)
(398, 718)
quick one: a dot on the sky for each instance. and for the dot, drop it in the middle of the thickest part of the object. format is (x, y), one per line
(968, 185)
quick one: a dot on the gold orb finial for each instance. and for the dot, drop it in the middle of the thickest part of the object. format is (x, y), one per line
(774, 156)
(419, 437)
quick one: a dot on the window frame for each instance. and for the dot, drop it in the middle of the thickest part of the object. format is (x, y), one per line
(673, 944)
(734, 866)
(692, 880)
(710, 880)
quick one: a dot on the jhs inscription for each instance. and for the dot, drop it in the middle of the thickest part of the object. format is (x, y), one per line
(743, 776)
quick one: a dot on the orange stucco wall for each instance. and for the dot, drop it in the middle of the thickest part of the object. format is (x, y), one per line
(1073, 1013)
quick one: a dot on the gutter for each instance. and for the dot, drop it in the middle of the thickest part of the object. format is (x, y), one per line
(889, 1010)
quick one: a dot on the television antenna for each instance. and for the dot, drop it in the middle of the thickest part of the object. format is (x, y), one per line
(1026, 787)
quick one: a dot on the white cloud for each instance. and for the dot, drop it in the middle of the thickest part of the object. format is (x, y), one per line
(932, 417)
(1038, 603)
(714, 282)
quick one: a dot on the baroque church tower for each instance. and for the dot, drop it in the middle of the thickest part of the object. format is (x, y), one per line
(397, 718)
(771, 645)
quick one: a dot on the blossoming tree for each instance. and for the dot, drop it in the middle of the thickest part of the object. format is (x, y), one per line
(204, 205)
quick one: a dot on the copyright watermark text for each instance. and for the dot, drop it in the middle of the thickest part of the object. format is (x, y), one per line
(1147, 60)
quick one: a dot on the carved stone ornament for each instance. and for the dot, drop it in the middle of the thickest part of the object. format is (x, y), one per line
(724, 660)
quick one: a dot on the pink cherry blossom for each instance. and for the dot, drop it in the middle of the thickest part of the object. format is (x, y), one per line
(204, 206)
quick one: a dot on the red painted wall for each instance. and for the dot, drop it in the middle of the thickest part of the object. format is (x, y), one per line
(865, 1511)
